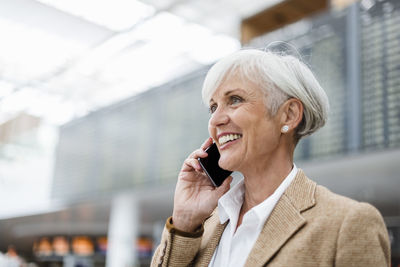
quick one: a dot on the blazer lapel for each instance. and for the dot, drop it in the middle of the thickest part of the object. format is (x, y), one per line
(206, 253)
(285, 220)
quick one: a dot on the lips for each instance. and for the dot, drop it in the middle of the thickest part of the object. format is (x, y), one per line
(225, 138)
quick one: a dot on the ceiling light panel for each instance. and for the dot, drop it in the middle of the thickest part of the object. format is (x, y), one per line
(30, 53)
(116, 15)
(6, 89)
(162, 4)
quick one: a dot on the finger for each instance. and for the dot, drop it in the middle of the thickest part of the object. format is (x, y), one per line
(207, 143)
(198, 153)
(191, 164)
(226, 185)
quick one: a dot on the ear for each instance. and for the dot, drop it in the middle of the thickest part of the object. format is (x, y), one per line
(292, 113)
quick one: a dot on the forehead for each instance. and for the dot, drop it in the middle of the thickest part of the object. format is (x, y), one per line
(236, 84)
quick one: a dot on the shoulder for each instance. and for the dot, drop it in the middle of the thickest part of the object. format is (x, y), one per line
(341, 205)
(319, 205)
(350, 211)
(351, 219)
(356, 228)
(360, 232)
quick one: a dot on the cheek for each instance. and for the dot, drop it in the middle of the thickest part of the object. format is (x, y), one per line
(261, 131)
(211, 130)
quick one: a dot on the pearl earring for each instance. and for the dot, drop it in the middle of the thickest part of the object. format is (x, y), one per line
(284, 129)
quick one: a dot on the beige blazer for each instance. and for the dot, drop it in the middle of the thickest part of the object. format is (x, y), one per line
(309, 226)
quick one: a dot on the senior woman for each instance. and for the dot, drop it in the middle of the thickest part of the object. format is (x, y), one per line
(261, 104)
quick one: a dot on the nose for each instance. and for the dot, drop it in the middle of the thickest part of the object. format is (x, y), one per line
(219, 117)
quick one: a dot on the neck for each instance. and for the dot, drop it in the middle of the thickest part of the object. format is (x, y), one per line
(262, 179)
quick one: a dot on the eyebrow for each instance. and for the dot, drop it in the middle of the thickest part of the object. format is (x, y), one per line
(228, 93)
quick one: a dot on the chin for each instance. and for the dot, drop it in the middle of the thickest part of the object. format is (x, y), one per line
(226, 164)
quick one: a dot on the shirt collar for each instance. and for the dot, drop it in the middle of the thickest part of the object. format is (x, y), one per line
(230, 203)
(264, 209)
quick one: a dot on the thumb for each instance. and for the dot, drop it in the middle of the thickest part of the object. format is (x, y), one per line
(226, 185)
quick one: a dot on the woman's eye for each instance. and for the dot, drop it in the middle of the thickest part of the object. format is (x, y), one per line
(236, 100)
(213, 108)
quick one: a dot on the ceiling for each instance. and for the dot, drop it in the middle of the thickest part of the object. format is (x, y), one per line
(61, 59)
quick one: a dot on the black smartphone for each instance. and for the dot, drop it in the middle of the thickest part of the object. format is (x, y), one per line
(210, 166)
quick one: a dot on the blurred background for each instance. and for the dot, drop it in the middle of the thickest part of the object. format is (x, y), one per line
(100, 104)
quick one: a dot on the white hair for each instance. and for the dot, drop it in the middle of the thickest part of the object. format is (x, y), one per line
(280, 77)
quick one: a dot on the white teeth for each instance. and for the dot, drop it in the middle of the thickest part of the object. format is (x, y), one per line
(229, 137)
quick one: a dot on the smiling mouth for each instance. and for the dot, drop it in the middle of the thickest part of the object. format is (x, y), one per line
(228, 138)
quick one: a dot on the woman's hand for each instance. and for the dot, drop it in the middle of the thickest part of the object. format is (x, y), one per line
(195, 196)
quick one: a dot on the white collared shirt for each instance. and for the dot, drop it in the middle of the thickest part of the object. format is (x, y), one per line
(234, 247)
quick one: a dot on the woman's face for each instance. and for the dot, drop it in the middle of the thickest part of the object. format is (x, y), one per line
(245, 133)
